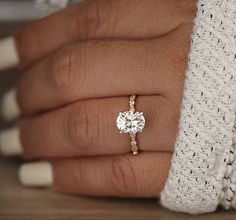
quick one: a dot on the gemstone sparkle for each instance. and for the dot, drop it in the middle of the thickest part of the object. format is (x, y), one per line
(130, 122)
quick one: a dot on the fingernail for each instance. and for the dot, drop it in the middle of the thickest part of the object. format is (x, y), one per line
(10, 144)
(8, 53)
(9, 106)
(37, 174)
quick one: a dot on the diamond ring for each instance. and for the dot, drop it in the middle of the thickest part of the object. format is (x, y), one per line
(131, 122)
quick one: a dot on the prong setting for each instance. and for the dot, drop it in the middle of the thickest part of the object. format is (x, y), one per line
(131, 122)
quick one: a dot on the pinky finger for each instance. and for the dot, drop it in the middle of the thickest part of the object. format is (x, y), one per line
(124, 175)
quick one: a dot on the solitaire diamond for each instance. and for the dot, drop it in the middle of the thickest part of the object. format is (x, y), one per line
(130, 122)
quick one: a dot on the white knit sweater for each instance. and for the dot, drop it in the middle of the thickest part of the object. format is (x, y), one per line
(203, 173)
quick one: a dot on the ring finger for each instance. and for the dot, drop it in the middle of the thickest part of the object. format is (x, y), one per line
(88, 128)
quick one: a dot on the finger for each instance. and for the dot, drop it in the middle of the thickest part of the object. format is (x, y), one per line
(101, 69)
(123, 175)
(95, 19)
(88, 128)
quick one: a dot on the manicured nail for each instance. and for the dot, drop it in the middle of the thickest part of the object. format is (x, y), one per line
(9, 106)
(10, 144)
(37, 174)
(8, 53)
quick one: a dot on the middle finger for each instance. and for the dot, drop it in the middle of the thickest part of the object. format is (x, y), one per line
(102, 69)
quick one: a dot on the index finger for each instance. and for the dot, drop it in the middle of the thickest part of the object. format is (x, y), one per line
(92, 20)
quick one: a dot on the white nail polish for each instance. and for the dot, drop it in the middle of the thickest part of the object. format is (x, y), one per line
(9, 106)
(8, 53)
(39, 174)
(10, 144)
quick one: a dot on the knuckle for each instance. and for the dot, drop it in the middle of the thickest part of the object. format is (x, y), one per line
(61, 70)
(95, 19)
(123, 177)
(83, 129)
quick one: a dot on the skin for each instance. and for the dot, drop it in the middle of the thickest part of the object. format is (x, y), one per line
(82, 64)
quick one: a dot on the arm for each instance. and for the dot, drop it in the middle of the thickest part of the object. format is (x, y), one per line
(203, 167)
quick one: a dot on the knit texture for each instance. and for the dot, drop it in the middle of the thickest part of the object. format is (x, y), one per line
(228, 194)
(202, 152)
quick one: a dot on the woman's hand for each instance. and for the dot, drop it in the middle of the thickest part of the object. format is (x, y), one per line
(80, 67)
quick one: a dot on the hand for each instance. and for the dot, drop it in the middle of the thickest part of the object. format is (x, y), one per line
(80, 67)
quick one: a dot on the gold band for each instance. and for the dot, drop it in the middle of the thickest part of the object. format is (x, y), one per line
(134, 145)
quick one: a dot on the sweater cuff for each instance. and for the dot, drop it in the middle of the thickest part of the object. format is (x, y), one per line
(228, 193)
(196, 181)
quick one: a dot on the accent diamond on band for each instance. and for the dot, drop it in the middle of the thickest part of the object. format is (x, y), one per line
(131, 122)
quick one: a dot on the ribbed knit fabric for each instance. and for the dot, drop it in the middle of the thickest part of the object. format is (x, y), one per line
(204, 146)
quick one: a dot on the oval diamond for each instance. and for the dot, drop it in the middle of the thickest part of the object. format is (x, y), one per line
(130, 122)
